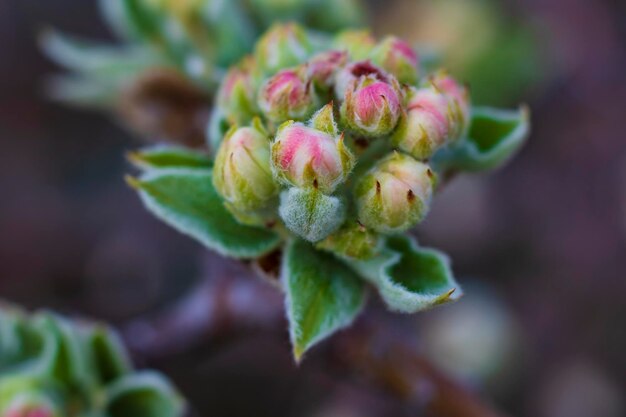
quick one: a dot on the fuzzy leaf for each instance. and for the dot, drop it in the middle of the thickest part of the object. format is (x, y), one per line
(494, 136)
(186, 200)
(144, 394)
(168, 156)
(322, 295)
(409, 278)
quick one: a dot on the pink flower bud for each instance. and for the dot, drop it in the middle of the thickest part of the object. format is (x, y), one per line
(398, 58)
(236, 95)
(303, 156)
(371, 99)
(321, 69)
(458, 95)
(426, 125)
(435, 116)
(395, 194)
(28, 406)
(287, 96)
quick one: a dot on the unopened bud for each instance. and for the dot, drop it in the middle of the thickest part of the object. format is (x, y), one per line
(398, 58)
(236, 96)
(357, 43)
(429, 123)
(458, 94)
(282, 46)
(395, 194)
(31, 406)
(287, 96)
(311, 214)
(323, 67)
(242, 173)
(352, 240)
(312, 155)
(372, 99)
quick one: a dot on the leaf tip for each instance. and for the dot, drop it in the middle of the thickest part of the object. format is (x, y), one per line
(132, 182)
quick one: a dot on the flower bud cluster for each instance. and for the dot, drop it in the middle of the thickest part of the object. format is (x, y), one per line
(318, 107)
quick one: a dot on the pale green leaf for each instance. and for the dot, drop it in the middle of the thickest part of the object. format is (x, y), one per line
(143, 394)
(409, 278)
(186, 200)
(323, 295)
(169, 156)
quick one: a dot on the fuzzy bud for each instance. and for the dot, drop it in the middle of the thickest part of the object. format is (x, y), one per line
(282, 46)
(311, 214)
(398, 58)
(395, 194)
(287, 96)
(312, 155)
(242, 173)
(372, 99)
(236, 95)
(357, 43)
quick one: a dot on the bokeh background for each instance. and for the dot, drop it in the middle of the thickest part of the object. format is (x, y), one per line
(540, 245)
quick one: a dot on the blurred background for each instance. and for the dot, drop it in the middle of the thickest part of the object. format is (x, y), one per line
(540, 246)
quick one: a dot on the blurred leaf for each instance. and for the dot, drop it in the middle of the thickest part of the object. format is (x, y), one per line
(20, 343)
(63, 358)
(97, 59)
(168, 156)
(323, 295)
(409, 278)
(143, 394)
(108, 356)
(82, 92)
(494, 137)
(186, 200)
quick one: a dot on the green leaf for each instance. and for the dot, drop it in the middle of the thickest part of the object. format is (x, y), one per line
(82, 92)
(186, 200)
(322, 295)
(409, 278)
(143, 394)
(168, 156)
(108, 356)
(494, 136)
(97, 59)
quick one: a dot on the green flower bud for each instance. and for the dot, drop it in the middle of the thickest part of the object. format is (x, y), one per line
(242, 173)
(352, 240)
(398, 58)
(311, 214)
(357, 43)
(287, 96)
(312, 155)
(282, 46)
(395, 194)
(372, 99)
